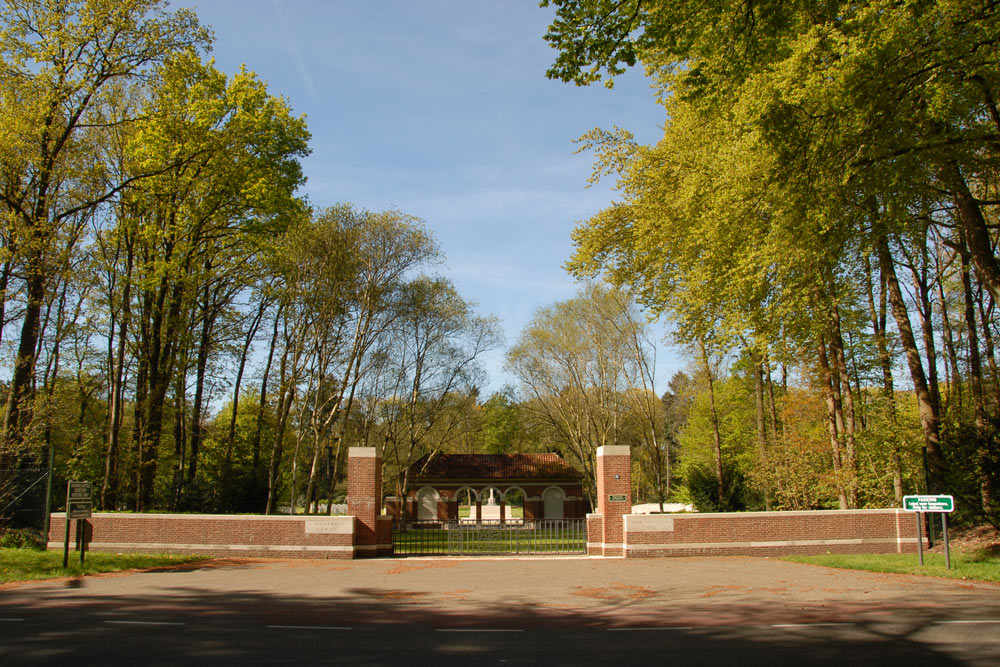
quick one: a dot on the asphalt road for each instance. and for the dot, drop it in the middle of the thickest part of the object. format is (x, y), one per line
(578, 611)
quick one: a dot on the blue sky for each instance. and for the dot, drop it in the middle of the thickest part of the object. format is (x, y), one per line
(441, 109)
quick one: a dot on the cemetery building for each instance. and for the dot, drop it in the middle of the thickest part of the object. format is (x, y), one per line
(544, 486)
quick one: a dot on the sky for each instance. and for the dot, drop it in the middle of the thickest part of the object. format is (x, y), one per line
(441, 109)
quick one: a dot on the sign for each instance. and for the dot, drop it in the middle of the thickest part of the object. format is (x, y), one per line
(79, 491)
(79, 510)
(78, 506)
(78, 500)
(928, 503)
(617, 499)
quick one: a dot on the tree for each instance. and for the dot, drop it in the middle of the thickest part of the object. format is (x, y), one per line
(584, 366)
(432, 352)
(62, 66)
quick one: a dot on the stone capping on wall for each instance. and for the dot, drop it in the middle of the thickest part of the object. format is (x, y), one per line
(770, 533)
(215, 534)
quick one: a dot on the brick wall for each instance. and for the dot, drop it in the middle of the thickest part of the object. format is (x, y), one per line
(214, 535)
(770, 533)
(595, 535)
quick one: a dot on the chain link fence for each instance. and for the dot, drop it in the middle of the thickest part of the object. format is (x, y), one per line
(22, 498)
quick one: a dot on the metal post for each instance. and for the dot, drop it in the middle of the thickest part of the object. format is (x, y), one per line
(66, 545)
(920, 537)
(48, 498)
(947, 550)
(927, 490)
(66, 541)
(81, 538)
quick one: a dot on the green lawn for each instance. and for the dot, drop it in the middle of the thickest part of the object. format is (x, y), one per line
(485, 541)
(964, 565)
(30, 564)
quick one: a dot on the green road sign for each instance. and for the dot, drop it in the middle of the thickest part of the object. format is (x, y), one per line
(928, 503)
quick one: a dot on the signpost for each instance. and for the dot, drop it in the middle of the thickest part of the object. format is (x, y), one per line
(79, 505)
(939, 504)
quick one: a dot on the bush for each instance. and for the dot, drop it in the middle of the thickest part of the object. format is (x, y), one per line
(703, 489)
(21, 538)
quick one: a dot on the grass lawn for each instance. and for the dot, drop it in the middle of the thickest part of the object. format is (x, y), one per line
(487, 540)
(31, 564)
(964, 564)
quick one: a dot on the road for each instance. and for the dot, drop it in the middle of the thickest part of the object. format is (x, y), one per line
(546, 611)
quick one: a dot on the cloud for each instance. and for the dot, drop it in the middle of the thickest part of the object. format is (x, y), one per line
(293, 50)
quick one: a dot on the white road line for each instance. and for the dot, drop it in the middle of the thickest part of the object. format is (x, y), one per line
(808, 625)
(11, 620)
(678, 627)
(480, 630)
(144, 623)
(308, 627)
(970, 622)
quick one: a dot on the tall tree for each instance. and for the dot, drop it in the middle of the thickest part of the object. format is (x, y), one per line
(61, 66)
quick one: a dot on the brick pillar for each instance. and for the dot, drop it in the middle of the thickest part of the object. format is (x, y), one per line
(364, 498)
(614, 496)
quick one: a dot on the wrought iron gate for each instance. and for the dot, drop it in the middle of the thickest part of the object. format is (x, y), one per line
(455, 538)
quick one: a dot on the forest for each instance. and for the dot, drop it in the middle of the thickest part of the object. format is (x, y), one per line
(817, 226)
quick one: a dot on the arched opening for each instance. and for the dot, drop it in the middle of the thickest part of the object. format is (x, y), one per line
(514, 502)
(427, 504)
(466, 498)
(490, 499)
(554, 500)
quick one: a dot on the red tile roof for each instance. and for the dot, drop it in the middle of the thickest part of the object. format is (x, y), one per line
(494, 467)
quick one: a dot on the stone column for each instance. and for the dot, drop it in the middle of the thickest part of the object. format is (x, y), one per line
(364, 498)
(614, 496)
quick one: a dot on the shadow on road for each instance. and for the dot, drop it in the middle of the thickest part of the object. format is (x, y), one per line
(382, 626)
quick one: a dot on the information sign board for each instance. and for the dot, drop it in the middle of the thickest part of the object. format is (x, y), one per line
(928, 503)
(617, 499)
(79, 509)
(79, 491)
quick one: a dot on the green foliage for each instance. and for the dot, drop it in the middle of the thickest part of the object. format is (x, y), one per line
(980, 564)
(701, 489)
(20, 538)
(30, 565)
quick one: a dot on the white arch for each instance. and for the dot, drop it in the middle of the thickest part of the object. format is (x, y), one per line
(427, 504)
(554, 499)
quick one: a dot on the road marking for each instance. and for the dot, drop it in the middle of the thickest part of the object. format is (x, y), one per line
(673, 627)
(808, 625)
(308, 627)
(144, 623)
(971, 622)
(11, 620)
(480, 630)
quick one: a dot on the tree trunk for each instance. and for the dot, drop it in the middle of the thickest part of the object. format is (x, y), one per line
(973, 224)
(929, 417)
(983, 458)
(204, 344)
(109, 487)
(716, 437)
(248, 341)
(990, 349)
(954, 383)
(850, 462)
(833, 424)
(878, 319)
(21, 395)
(262, 403)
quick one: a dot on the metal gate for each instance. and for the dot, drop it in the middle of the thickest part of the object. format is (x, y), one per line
(456, 538)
